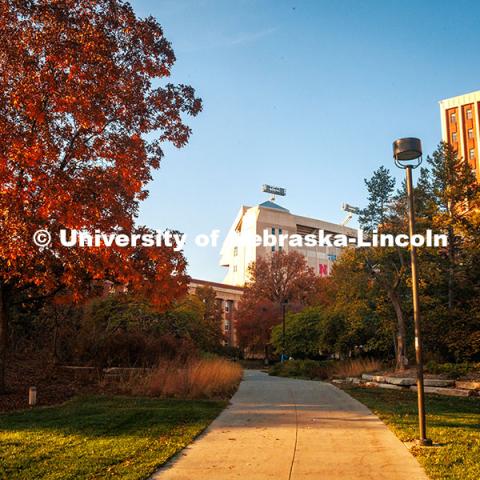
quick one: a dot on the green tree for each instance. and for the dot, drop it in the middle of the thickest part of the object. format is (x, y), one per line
(380, 189)
(301, 333)
(450, 277)
(358, 320)
(454, 203)
(398, 211)
(374, 282)
(386, 212)
(212, 317)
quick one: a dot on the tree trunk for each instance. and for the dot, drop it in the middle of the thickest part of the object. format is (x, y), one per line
(401, 358)
(3, 336)
(55, 342)
(451, 267)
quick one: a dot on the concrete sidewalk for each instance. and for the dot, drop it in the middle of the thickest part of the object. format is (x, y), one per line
(285, 429)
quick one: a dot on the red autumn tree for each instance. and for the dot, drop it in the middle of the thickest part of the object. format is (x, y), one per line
(255, 320)
(275, 279)
(83, 114)
(283, 277)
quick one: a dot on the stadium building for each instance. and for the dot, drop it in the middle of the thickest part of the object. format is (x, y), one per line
(238, 250)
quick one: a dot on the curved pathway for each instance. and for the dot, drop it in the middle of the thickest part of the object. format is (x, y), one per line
(284, 429)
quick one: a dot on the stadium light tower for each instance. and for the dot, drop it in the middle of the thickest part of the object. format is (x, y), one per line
(281, 192)
(351, 211)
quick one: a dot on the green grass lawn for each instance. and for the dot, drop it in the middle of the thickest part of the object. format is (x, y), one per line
(99, 437)
(453, 424)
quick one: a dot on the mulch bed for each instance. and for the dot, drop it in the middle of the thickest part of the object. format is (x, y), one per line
(53, 384)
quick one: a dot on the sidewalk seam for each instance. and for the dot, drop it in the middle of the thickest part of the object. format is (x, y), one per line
(296, 435)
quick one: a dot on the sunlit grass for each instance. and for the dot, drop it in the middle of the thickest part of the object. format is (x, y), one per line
(99, 437)
(453, 425)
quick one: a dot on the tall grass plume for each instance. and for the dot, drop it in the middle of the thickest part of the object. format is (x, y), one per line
(193, 379)
(355, 367)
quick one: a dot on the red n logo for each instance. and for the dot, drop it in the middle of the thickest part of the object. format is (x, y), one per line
(323, 270)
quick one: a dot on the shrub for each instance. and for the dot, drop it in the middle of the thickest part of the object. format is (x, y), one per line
(123, 331)
(453, 370)
(134, 349)
(301, 334)
(310, 369)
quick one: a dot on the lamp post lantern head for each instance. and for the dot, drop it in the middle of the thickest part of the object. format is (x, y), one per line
(406, 151)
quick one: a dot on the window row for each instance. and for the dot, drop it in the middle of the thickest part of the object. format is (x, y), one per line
(468, 114)
(469, 134)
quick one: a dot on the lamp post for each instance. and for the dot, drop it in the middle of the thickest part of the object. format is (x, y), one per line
(407, 153)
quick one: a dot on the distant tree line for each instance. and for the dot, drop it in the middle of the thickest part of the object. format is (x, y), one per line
(365, 306)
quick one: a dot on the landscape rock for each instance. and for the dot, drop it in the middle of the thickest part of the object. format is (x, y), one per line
(403, 382)
(354, 380)
(373, 378)
(453, 392)
(467, 384)
(388, 386)
(438, 382)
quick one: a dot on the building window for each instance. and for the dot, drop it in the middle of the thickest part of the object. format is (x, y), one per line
(453, 118)
(454, 137)
(472, 153)
(273, 248)
(227, 326)
(234, 268)
(279, 231)
(470, 133)
(469, 114)
(280, 248)
(227, 307)
(273, 230)
(235, 251)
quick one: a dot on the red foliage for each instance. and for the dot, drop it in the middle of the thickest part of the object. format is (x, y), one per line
(278, 278)
(282, 277)
(76, 107)
(255, 320)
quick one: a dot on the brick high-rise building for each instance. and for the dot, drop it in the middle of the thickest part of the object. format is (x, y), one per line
(460, 118)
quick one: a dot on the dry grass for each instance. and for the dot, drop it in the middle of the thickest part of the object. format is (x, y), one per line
(354, 368)
(325, 369)
(215, 378)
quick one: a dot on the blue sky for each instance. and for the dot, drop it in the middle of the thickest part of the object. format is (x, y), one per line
(307, 95)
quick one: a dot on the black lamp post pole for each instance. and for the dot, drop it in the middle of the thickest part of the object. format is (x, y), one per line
(406, 151)
(416, 314)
